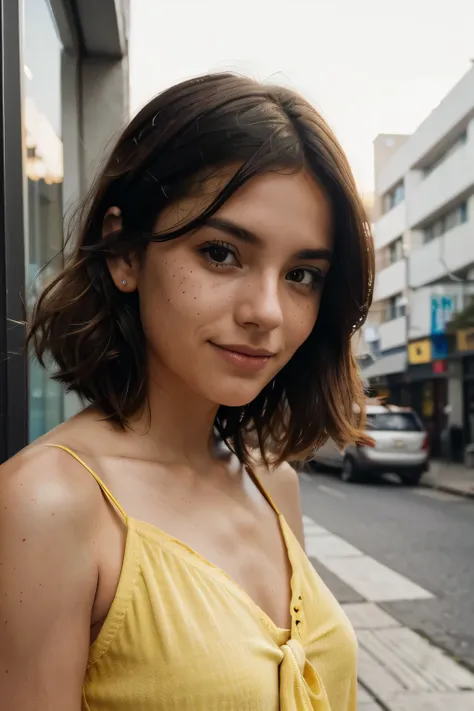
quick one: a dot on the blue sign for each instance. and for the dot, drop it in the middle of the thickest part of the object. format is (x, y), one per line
(442, 310)
(439, 347)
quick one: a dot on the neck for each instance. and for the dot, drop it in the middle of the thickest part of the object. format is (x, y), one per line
(176, 426)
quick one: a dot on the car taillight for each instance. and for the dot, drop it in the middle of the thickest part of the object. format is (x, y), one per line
(426, 444)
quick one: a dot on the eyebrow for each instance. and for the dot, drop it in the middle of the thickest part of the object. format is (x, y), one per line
(248, 237)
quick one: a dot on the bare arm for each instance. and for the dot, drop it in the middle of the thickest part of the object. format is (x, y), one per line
(48, 579)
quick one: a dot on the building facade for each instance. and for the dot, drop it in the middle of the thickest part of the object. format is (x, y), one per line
(424, 240)
(64, 76)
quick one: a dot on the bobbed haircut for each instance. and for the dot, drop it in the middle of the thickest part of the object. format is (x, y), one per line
(92, 331)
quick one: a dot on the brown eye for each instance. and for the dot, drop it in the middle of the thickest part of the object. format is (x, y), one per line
(306, 277)
(219, 254)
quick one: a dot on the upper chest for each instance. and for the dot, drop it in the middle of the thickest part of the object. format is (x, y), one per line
(226, 521)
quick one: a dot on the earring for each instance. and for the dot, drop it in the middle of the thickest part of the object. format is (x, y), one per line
(124, 282)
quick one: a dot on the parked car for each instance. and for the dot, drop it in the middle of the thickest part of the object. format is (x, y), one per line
(401, 446)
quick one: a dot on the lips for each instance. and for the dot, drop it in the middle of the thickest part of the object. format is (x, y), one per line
(243, 358)
(246, 350)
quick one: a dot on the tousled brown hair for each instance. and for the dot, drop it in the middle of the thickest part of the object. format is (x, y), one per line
(92, 330)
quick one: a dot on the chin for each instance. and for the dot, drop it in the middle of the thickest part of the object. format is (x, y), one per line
(236, 397)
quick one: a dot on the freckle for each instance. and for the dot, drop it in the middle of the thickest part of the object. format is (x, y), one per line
(53, 514)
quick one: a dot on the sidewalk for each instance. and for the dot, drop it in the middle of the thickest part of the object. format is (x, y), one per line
(450, 477)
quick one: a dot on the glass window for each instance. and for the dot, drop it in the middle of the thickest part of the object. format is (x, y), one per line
(44, 172)
(394, 197)
(452, 218)
(395, 307)
(394, 422)
(396, 251)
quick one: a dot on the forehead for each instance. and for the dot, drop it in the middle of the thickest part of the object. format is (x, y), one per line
(290, 205)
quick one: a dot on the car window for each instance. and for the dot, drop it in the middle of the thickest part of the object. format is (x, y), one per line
(394, 422)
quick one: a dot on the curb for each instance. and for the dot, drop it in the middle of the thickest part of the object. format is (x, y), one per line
(466, 494)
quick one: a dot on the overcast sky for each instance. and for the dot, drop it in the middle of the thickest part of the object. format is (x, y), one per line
(370, 66)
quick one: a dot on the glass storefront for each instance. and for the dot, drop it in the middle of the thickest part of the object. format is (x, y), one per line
(44, 193)
(64, 94)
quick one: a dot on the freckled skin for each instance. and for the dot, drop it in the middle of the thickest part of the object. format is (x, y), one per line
(249, 302)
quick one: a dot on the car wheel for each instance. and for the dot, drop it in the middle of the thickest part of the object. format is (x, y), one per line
(412, 479)
(349, 472)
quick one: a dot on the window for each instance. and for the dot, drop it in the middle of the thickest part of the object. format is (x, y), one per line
(395, 251)
(395, 307)
(394, 197)
(452, 148)
(453, 218)
(394, 422)
(44, 190)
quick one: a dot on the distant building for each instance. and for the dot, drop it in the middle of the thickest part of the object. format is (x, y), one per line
(424, 238)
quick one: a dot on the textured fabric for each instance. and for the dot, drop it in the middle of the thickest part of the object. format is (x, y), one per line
(181, 635)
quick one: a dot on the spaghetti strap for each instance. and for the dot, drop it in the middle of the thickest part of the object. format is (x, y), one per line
(99, 481)
(262, 489)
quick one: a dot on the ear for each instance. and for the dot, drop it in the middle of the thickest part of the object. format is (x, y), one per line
(124, 272)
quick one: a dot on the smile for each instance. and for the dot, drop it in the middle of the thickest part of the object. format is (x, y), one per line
(243, 357)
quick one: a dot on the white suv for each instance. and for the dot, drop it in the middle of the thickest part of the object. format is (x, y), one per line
(401, 447)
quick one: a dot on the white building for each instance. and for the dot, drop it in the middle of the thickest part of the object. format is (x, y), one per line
(424, 236)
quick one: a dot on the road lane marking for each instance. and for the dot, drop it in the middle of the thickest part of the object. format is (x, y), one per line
(397, 666)
(372, 580)
(329, 546)
(331, 492)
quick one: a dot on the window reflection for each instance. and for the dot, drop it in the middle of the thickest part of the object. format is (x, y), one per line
(44, 171)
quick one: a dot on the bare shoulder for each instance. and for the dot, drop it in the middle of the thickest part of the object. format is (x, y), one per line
(282, 483)
(44, 483)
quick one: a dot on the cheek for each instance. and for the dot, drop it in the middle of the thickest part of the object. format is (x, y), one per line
(302, 321)
(175, 299)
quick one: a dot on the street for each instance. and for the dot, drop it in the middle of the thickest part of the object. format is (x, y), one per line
(401, 561)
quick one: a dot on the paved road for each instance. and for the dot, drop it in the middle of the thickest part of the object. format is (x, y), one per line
(425, 541)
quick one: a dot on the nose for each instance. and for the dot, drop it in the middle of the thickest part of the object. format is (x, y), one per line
(259, 305)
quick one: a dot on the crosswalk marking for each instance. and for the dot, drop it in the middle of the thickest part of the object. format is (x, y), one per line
(365, 575)
(397, 667)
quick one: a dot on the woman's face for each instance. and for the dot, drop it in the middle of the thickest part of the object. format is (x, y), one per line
(225, 308)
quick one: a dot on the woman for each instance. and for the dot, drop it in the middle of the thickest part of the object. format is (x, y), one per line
(223, 264)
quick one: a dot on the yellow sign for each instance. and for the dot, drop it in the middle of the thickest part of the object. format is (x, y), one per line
(465, 340)
(419, 352)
